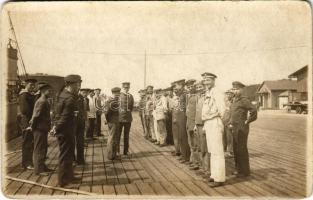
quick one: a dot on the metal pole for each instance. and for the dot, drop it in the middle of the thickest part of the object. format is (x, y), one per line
(145, 71)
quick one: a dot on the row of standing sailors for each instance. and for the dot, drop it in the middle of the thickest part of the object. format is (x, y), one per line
(204, 124)
(70, 116)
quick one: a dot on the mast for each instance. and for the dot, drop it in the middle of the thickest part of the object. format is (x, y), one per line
(18, 48)
(145, 71)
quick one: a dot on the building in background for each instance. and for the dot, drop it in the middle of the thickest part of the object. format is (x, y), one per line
(301, 76)
(276, 94)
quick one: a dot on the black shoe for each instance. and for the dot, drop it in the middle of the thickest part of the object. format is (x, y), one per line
(216, 184)
(43, 173)
(234, 173)
(48, 170)
(242, 175)
(210, 179)
(195, 167)
(81, 163)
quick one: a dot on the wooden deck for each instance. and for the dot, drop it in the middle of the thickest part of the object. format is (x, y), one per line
(277, 157)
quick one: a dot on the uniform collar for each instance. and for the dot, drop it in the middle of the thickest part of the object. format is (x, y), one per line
(24, 91)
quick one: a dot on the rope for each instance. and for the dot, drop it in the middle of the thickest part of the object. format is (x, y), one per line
(51, 187)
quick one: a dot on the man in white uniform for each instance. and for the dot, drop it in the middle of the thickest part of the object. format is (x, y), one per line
(155, 121)
(212, 112)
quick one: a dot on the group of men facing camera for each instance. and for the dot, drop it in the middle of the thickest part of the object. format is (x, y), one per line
(204, 124)
(199, 120)
(74, 108)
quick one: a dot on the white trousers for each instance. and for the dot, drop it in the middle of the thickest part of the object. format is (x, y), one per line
(214, 137)
(155, 124)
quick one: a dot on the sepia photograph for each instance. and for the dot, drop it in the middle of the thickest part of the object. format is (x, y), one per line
(158, 99)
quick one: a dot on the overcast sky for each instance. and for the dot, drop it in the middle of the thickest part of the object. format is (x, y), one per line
(105, 42)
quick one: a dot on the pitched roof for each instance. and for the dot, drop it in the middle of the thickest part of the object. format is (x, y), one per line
(284, 84)
(300, 71)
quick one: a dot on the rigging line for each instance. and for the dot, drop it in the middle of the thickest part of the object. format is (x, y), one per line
(19, 50)
(166, 54)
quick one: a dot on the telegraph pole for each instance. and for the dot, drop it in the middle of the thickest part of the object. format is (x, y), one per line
(145, 71)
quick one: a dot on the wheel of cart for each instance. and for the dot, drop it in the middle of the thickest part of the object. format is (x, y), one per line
(299, 110)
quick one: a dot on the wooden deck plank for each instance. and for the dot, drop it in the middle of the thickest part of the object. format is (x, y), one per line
(194, 188)
(145, 188)
(132, 189)
(183, 189)
(86, 181)
(108, 190)
(158, 188)
(206, 188)
(121, 189)
(98, 171)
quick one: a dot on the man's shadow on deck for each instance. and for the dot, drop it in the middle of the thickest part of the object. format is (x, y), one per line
(257, 175)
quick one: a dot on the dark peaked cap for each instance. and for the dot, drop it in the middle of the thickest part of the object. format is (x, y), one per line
(116, 89)
(207, 74)
(30, 80)
(73, 78)
(190, 81)
(41, 83)
(229, 92)
(149, 86)
(238, 85)
(180, 82)
(126, 83)
(43, 86)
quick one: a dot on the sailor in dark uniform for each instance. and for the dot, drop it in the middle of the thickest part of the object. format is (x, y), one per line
(141, 109)
(66, 116)
(125, 115)
(37, 94)
(111, 115)
(190, 125)
(40, 125)
(239, 123)
(26, 106)
(81, 122)
(179, 122)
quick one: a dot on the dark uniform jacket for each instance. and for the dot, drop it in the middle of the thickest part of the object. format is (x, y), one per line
(199, 105)
(191, 106)
(26, 105)
(82, 112)
(239, 111)
(180, 107)
(191, 111)
(126, 107)
(111, 111)
(65, 112)
(41, 116)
